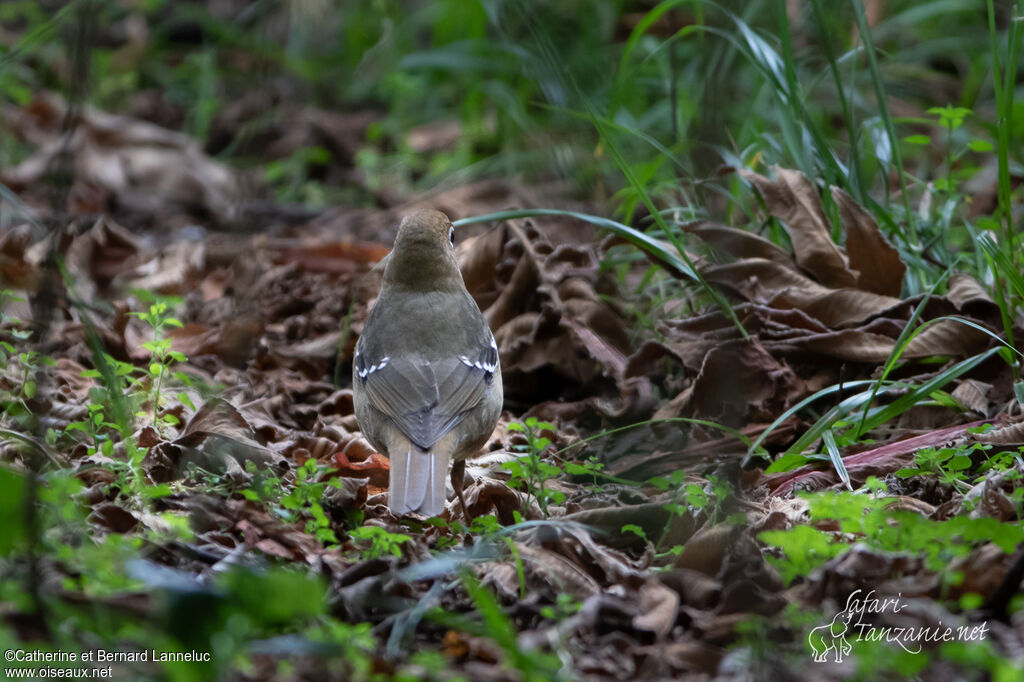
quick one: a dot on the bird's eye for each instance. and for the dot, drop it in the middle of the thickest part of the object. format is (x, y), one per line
(451, 235)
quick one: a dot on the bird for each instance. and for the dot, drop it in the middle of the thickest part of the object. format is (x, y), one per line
(426, 375)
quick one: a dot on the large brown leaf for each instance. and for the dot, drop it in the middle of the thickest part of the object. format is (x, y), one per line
(794, 200)
(877, 263)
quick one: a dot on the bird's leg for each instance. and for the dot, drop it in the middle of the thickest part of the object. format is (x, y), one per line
(458, 476)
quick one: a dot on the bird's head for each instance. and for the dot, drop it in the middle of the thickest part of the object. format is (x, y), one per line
(424, 254)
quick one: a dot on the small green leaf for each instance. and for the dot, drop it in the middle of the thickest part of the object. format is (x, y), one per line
(633, 528)
(185, 400)
(659, 482)
(917, 139)
(13, 489)
(154, 492)
(959, 463)
(786, 463)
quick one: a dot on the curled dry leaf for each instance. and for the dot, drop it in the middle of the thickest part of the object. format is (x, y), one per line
(376, 468)
(658, 608)
(876, 262)
(218, 439)
(136, 162)
(653, 518)
(794, 200)
(1006, 434)
(548, 319)
(706, 550)
(114, 518)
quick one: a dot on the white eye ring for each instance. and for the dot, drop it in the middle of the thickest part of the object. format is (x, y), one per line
(451, 235)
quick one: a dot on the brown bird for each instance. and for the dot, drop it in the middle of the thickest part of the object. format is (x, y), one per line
(426, 376)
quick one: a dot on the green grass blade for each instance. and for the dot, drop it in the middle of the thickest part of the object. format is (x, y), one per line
(652, 247)
(906, 334)
(890, 128)
(641, 191)
(829, 439)
(908, 400)
(817, 395)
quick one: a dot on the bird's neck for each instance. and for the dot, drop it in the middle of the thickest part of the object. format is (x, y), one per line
(423, 274)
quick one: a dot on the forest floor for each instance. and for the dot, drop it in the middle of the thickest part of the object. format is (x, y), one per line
(820, 481)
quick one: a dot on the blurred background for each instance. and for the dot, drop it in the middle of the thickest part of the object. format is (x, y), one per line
(318, 103)
(191, 193)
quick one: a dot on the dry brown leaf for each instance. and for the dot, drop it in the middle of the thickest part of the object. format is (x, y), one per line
(973, 395)
(740, 244)
(658, 606)
(218, 439)
(134, 160)
(740, 381)
(113, 517)
(878, 265)
(768, 283)
(794, 200)
(1004, 434)
(706, 550)
(557, 572)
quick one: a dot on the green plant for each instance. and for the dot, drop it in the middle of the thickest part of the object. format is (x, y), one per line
(592, 466)
(163, 356)
(710, 498)
(868, 517)
(530, 472)
(950, 465)
(291, 176)
(303, 501)
(533, 666)
(565, 605)
(25, 366)
(380, 541)
(96, 426)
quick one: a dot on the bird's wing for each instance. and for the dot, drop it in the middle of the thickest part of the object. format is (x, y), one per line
(426, 399)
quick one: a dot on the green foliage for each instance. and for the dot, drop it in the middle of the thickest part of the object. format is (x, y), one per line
(711, 498)
(379, 541)
(592, 467)
(22, 366)
(163, 356)
(950, 465)
(302, 502)
(291, 176)
(531, 471)
(275, 598)
(13, 490)
(805, 549)
(565, 605)
(534, 666)
(868, 518)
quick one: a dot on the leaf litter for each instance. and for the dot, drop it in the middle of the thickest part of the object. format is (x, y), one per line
(651, 567)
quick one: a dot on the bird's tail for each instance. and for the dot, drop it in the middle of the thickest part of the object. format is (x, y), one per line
(418, 481)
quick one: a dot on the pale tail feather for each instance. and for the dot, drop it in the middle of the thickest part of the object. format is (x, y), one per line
(417, 482)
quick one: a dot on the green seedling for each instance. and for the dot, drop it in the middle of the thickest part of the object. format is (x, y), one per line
(163, 357)
(379, 541)
(531, 472)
